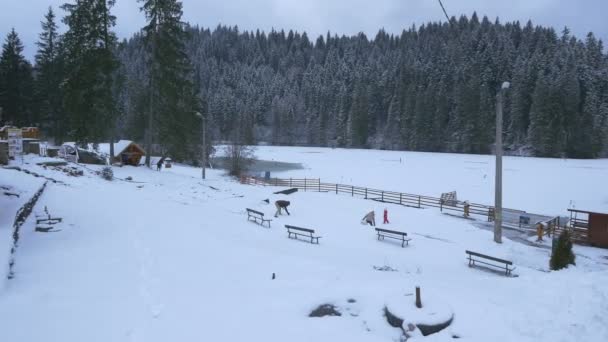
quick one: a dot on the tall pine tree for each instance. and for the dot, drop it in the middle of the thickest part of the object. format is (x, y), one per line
(16, 83)
(48, 78)
(172, 100)
(90, 63)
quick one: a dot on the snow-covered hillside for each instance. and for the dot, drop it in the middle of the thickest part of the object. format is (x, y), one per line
(167, 256)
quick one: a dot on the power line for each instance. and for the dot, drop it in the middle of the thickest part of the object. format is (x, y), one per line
(444, 12)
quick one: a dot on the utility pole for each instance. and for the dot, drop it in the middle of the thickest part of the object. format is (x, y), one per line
(204, 146)
(498, 178)
(204, 156)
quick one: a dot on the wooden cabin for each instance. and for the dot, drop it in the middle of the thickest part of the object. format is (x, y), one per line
(126, 152)
(30, 133)
(26, 132)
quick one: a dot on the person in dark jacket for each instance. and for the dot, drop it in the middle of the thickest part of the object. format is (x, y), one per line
(281, 204)
(159, 164)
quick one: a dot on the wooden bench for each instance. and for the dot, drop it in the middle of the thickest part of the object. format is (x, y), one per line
(475, 257)
(258, 217)
(47, 219)
(299, 231)
(393, 234)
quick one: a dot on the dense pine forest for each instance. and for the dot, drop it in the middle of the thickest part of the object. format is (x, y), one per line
(429, 88)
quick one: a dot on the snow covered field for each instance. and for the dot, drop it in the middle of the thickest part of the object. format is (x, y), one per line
(169, 257)
(538, 185)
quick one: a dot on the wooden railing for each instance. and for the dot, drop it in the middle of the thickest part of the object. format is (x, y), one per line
(554, 225)
(410, 200)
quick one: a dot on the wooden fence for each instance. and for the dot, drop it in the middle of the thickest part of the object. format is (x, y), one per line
(511, 217)
(578, 234)
(410, 200)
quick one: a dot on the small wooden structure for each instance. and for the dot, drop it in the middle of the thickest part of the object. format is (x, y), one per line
(52, 151)
(593, 223)
(27, 132)
(4, 132)
(125, 151)
(131, 154)
(30, 133)
(31, 145)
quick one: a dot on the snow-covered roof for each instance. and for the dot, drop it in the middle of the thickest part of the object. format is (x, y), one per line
(119, 147)
(104, 148)
(4, 128)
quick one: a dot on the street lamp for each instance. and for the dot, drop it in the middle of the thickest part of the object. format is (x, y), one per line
(498, 178)
(204, 157)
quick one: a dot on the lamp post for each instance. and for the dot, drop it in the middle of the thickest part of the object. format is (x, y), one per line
(498, 178)
(204, 156)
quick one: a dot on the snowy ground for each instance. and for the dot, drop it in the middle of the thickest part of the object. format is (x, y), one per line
(168, 257)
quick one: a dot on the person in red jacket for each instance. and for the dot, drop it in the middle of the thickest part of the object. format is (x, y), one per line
(385, 216)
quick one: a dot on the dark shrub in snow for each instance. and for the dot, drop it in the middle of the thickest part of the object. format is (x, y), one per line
(325, 310)
(107, 173)
(562, 255)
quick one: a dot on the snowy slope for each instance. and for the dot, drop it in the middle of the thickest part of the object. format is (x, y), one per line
(167, 257)
(24, 186)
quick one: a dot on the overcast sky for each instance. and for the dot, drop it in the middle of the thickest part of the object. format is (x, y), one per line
(319, 16)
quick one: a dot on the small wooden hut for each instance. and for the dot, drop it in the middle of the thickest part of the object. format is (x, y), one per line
(595, 224)
(30, 133)
(125, 151)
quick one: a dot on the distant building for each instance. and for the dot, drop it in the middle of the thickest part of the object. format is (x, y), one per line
(27, 132)
(126, 152)
(72, 153)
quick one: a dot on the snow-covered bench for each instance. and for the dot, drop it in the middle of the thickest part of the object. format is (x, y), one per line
(46, 217)
(258, 217)
(304, 232)
(393, 234)
(475, 257)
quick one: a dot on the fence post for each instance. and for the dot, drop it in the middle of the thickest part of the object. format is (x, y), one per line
(418, 201)
(400, 196)
(382, 196)
(319, 184)
(336, 188)
(290, 182)
(304, 183)
(352, 191)
(440, 205)
(365, 193)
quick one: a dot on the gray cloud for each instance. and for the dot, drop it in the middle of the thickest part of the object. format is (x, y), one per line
(319, 16)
